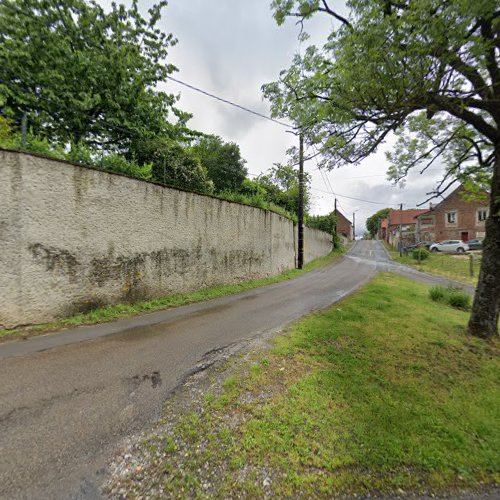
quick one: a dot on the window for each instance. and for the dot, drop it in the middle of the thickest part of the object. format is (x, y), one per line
(482, 214)
(451, 217)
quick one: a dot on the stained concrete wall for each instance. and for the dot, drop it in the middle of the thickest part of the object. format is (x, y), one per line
(73, 238)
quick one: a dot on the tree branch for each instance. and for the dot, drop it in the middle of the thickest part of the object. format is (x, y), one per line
(469, 72)
(482, 126)
(329, 11)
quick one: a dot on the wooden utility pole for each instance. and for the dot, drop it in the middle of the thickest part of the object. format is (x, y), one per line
(335, 225)
(354, 226)
(24, 128)
(401, 230)
(300, 211)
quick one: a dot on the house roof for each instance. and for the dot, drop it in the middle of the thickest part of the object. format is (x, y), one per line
(405, 217)
(460, 188)
(341, 217)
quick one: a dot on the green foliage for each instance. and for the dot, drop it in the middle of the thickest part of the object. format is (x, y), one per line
(425, 69)
(84, 75)
(380, 395)
(281, 185)
(110, 162)
(172, 164)
(438, 293)
(277, 191)
(113, 162)
(177, 166)
(454, 297)
(6, 132)
(252, 188)
(420, 254)
(372, 223)
(460, 300)
(443, 264)
(223, 162)
(324, 223)
(258, 200)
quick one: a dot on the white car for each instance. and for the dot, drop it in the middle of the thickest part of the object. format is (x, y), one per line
(450, 246)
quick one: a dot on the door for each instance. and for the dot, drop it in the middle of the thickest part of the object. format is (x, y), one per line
(464, 236)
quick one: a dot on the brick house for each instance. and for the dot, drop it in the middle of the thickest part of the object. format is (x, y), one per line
(383, 229)
(454, 218)
(344, 225)
(402, 226)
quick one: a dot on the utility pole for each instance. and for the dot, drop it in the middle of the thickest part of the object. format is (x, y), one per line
(335, 225)
(24, 128)
(401, 230)
(300, 211)
(354, 226)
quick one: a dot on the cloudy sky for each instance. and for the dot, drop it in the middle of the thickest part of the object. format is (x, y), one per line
(230, 48)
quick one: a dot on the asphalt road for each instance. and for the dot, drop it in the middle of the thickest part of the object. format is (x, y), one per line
(68, 399)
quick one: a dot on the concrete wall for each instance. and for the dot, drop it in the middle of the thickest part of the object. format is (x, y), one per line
(74, 238)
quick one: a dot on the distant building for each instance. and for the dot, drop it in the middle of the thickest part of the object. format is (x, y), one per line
(401, 226)
(455, 218)
(383, 229)
(344, 225)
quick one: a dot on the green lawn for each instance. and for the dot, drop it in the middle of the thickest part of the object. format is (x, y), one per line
(120, 311)
(381, 393)
(456, 267)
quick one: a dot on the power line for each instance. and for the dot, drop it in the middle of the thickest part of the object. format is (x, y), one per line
(353, 198)
(331, 188)
(226, 101)
(323, 174)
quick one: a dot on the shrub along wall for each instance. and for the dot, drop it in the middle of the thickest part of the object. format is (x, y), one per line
(74, 238)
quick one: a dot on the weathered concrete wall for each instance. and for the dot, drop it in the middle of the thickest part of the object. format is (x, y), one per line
(73, 238)
(316, 244)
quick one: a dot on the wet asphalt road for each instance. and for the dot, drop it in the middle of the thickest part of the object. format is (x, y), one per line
(68, 399)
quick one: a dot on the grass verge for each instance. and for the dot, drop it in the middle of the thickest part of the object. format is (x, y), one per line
(126, 310)
(382, 393)
(454, 297)
(450, 266)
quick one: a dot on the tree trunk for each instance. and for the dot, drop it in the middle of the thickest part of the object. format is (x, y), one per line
(486, 307)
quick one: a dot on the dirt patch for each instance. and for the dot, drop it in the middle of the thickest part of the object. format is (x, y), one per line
(138, 463)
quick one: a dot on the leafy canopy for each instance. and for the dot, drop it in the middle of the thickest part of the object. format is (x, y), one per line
(426, 70)
(281, 185)
(173, 164)
(86, 75)
(223, 162)
(372, 223)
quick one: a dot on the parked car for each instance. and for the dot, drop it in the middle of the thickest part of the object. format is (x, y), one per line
(475, 244)
(421, 244)
(428, 244)
(450, 246)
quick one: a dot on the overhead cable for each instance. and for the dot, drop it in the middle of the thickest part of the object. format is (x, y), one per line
(226, 101)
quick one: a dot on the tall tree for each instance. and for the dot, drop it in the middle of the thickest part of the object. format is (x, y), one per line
(172, 164)
(282, 187)
(84, 75)
(372, 223)
(223, 161)
(427, 70)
